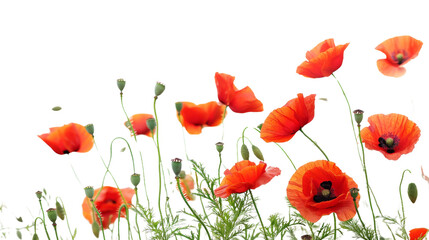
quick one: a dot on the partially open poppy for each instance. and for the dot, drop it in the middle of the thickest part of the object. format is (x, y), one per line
(418, 233)
(138, 121)
(282, 123)
(187, 184)
(245, 175)
(399, 51)
(69, 138)
(240, 101)
(322, 60)
(194, 117)
(320, 188)
(392, 135)
(107, 203)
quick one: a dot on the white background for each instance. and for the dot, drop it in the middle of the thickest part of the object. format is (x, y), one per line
(70, 53)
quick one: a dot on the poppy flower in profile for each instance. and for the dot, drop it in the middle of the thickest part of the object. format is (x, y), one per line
(418, 233)
(392, 135)
(69, 138)
(138, 121)
(322, 60)
(187, 184)
(245, 175)
(282, 123)
(108, 203)
(399, 51)
(320, 188)
(194, 117)
(240, 101)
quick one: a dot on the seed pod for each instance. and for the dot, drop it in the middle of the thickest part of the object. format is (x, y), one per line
(35, 237)
(159, 88)
(257, 152)
(121, 84)
(60, 210)
(412, 192)
(135, 179)
(52, 214)
(244, 152)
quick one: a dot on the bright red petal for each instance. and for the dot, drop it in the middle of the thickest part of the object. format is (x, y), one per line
(244, 100)
(387, 68)
(418, 233)
(225, 87)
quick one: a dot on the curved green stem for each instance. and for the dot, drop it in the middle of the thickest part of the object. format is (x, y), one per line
(400, 195)
(257, 212)
(55, 229)
(315, 144)
(357, 211)
(218, 169)
(192, 210)
(137, 203)
(128, 220)
(99, 217)
(67, 219)
(43, 214)
(379, 210)
(335, 226)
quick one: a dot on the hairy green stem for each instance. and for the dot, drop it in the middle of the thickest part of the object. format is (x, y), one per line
(67, 219)
(55, 230)
(400, 195)
(315, 144)
(99, 216)
(43, 214)
(259, 216)
(128, 220)
(137, 203)
(335, 226)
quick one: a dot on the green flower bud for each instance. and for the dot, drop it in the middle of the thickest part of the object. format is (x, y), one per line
(244, 152)
(358, 116)
(90, 129)
(56, 108)
(39, 194)
(219, 147)
(19, 219)
(176, 164)
(95, 229)
(182, 175)
(135, 179)
(52, 214)
(19, 234)
(354, 192)
(257, 152)
(35, 237)
(89, 192)
(412, 192)
(259, 127)
(179, 106)
(151, 124)
(60, 210)
(159, 88)
(121, 84)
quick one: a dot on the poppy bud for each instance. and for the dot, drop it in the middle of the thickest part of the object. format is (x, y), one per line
(412, 192)
(60, 210)
(56, 108)
(182, 175)
(90, 129)
(176, 164)
(259, 127)
(257, 152)
(19, 219)
(179, 106)
(95, 229)
(19, 234)
(159, 88)
(35, 237)
(244, 152)
(306, 237)
(219, 146)
(39, 194)
(151, 124)
(89, 192)
(358, 115)
(52, 214)
(354, 192)
(135, 179)
(121, 84)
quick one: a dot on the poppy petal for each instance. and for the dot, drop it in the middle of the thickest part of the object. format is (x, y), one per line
(244, 100)
(139, 122)
(225, 87)
(418, 233)
(389, 69)
(194, 117)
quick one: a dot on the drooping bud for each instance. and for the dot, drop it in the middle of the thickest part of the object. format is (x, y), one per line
(257, 152)
(39, 194)
(90, 129)
(179, 106)
(95, 229)
(182, 174)
(35, 237)
(176, 164)
(354, 192)
(244, 152)
(219, 146)
(52, 214)
(56, 108)
(159, 88)
(18, 234)
(412, 192)
(89, 192)
(358, 116)
(121, 84)
(60, 210)
(151, 124)
(135, 179)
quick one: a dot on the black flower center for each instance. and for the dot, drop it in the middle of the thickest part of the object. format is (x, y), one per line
(400, 57)
(66, 152)
(324, 193)
(388, 142)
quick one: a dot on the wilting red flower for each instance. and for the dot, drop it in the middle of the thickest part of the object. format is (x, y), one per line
(195, 117)
(282, 123)
(322, 60)
(320, 188)
(187, 184)
(392, 135)
(418, 233)
(399, 51)
(139, 124)
(69, 138)
(107, 203)
(245, 175)
(240, 101)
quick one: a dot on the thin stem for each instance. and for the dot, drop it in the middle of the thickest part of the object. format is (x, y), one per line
(192, 210)
(400, 195)
(218, 169)
(137, 203)
(67, 219)
(43, 214)
(379, 210)
(99, 216)
(55, 229)
(201, 199)
(315, 144)
(75, 175)
(335, 226)
(257, 212)
(357, 211)
(128, 220)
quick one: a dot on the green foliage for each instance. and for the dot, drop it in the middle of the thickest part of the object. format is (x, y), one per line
(361, 232)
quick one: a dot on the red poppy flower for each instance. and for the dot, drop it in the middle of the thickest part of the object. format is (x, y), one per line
(418, 233)
(282, 123)
(195, 117)
(245, 175)
(107, 203)
(320, 188)
(187, 184)
(68, 138)
(240, 101)
(322, 60)
(139, 124)
(399, 51)
(392, 135)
